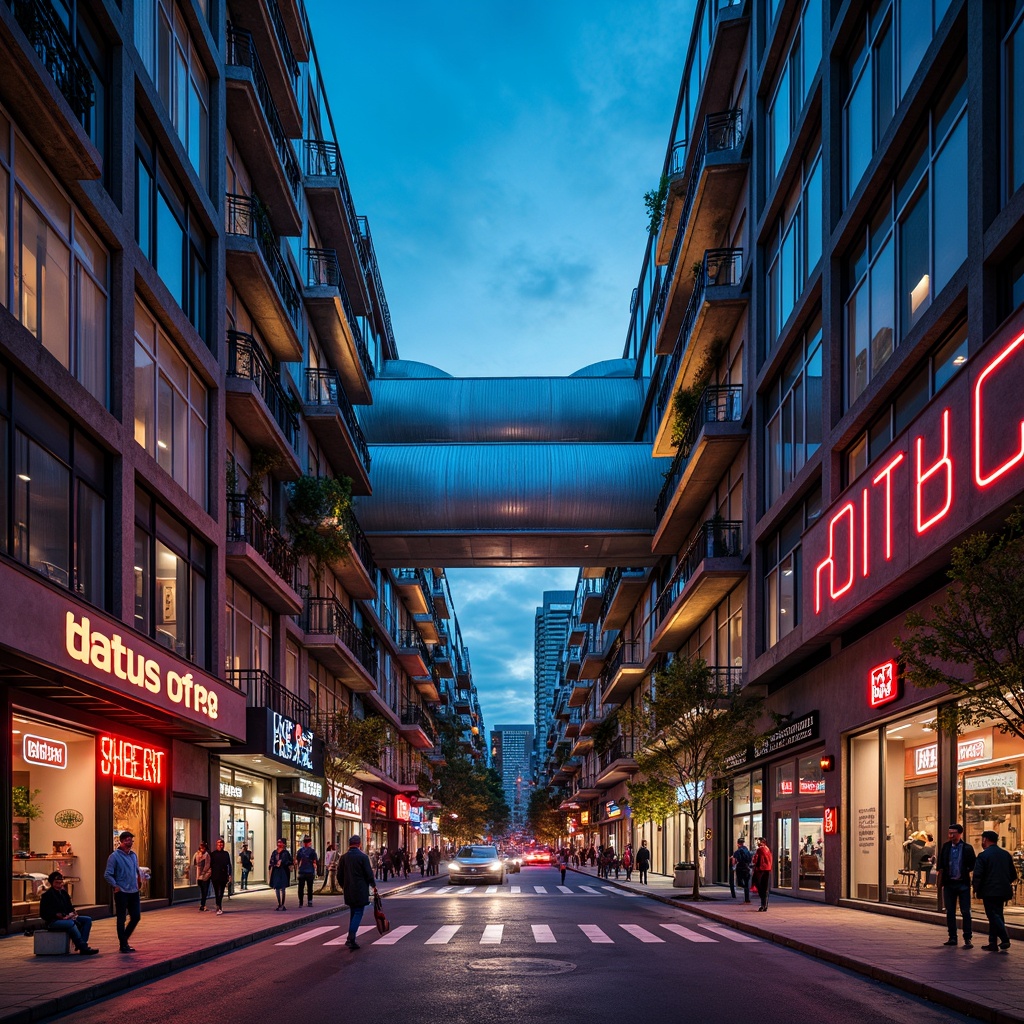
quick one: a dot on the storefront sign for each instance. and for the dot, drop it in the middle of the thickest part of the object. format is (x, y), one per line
(883, 684)
(584, 817)
(347, 802)
(959, 461)
(970, 750)
(378, 808)
(867, 829)
(810, 786)
(612, 809)
(131, 762)
(830, 822)
(46, 752)
(790, 735)
(993, 780)
(292, 743)
(230, 791)
(401, 808)
(311, 787)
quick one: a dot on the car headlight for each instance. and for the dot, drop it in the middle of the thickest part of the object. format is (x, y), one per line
(453, 866)
(495, 864)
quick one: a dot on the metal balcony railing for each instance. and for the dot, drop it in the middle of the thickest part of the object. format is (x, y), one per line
(361, 546)
(411, 638)
(613, 577)
(283, 41)
(726, 679)
(378, 285)
(246, 361)
(722, 131)
(405, 576)
(413, 714)
(323, 270)
(323, 388)
(624, 652)
(247, 522)
(54, 47)
(326, 616)
(716, 538)
(621, 748)
(718, 404)
(246, 215)
(241, 52)
(263, 691)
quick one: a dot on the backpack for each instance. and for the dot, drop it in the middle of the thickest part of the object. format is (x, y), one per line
(742, 856)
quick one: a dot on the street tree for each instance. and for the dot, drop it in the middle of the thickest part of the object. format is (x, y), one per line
(973, 641)
(689, 725)
(651, 800)
(543, 817)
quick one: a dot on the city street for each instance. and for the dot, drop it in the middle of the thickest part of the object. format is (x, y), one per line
(527, 950)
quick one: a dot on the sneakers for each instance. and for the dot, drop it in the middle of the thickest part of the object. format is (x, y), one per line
(951, 942)
(1004, 945)
(352, 944)
(219, 912)
(991, 947)
(202, 910)
(127, 949)
(968, 944)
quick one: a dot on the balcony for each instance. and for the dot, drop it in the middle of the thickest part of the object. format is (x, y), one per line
(572, 726)
(727, 680)
(443, 660)
(333, 422)
(582, 746)
(426, 687)
(621, 593)
(617, 764)
(577, 632)
(573, 661)
(265, 24)
(256, 127)
(358, 572)
(260, 557)
(413, 655)
(711, 443)
(593, 599)
(439, 596)
(463, 701)
(378, 298)
(334, 321)
(586, 788)
(580, 692)
(47, 87)
(263, 691)
(716, 305)
(414, 591)
(427, 627)
(595, 651)
(417, 728)
(261, 276)
(435, 755)
(463, 670)
(703, 193)
(293, 18)
(627, 665)
(711, 566)
(593, 716)
(339, 645)
(330, 201)
(258, 404)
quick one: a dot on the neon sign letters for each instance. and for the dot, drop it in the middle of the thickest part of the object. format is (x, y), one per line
(402, 808)
(131, 762)
(831, 821)
(46, 752)
(292, 743)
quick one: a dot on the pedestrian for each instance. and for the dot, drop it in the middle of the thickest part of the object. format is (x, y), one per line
(245, 860)
(761, 867)
(592, 855)
(307, 866)
(563, 862)
(123, 875)
(740, 861)
(433, 861)
(201, 863)
(627, 861)
(59, 915)
(419, 859)
(220, 873)
(956, 862)
(994, 875)
(387, 863)
(280, 872)
(614, 862)
(330, 866)
(643, 861)
(357, 883)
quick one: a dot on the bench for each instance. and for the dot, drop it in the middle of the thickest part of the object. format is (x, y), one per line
(46, 943)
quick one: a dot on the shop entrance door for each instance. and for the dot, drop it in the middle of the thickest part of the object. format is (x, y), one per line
(811, 840)
(784, 851)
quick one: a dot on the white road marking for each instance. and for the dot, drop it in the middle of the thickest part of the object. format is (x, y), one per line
(306, 936)
(539, 888)
(594, 933)
(464, 890)
(395, 935)
(343, 938)
(728, 933)
(686, 933)
(492, 934)
(641, 933)
(418, 892)
(543, 933)
(492, 889)
(565, 888)
(442, 935)
(590, 889)
(514, 890)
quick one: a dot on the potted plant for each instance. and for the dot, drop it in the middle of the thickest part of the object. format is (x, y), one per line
(682, 877)
(318, 516)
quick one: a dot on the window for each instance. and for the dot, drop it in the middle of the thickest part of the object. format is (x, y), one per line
(164, 43)
(59, 269)
(782, 571)
(56, 522)
(171, 566)
(249, 630)
(170, 407)
(916, 238)
(1013, 129)
(794, 404)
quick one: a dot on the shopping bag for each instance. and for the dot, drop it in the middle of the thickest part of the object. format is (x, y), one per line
(379, 917)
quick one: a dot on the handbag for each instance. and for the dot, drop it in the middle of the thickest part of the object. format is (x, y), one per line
(379, 917)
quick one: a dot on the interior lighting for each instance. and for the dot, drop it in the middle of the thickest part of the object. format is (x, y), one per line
(919, 293)
(24, 476)
(827, 762)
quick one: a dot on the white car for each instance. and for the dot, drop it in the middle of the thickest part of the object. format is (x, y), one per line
(477, 864)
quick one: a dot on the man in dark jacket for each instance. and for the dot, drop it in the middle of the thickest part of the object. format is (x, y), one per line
(956, 862)
(57, 910)
(643, 861)
(994, 875)
(357, 882)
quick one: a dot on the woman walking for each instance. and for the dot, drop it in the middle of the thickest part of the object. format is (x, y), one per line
(201, 862)
(280, 872)
(220, 873)
(761, 868)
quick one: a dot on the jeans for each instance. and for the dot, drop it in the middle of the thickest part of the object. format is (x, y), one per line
(245, 878)
(78, 928)
(763, 884)
(643, 875)
(996, 925)
(306, 885)
(951, 894)
(128, 905)
(204, 892)
(218, 893)
(356, 916)
(744, 880)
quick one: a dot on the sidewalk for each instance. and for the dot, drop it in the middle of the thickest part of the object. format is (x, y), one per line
(906, 954)
(167, 939)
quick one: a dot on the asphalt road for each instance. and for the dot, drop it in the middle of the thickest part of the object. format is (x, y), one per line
(524, 951)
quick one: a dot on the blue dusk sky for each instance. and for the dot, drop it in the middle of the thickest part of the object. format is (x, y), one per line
(501, 153)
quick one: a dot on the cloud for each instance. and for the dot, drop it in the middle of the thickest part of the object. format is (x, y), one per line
(549, 277)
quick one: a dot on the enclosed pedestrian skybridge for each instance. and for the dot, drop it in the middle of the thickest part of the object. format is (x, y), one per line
(510, 471)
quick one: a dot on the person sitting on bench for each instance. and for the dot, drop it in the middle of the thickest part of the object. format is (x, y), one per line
(58, 912)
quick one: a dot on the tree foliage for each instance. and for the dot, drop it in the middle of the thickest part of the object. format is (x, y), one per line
(689, 727)
(545, 820)
(973, 642)
(651, 800)
(654, 203)
(318, 519)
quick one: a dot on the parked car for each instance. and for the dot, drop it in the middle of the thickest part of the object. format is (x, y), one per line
(476, 864)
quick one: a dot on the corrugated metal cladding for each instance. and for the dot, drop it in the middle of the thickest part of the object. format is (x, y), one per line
(508, 488)
(487, 409)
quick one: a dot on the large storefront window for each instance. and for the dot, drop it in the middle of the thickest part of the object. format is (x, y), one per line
(133, 812)
(798, 836)
(243, 819)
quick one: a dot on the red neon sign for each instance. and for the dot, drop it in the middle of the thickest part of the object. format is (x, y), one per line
(883, 684)
(831, 821)
(401, 808)
(131, 762)
(378, 808)
(981, 478)
(944, 465)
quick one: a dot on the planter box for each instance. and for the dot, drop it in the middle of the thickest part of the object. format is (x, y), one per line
(683, 879)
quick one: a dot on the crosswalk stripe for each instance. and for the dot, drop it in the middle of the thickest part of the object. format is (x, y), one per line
(565, 888)
(395, 934)
(641, 933)
(515, 890)
(590, 889)
(539, 888)
(423, 889)
(728, 933)
(686, 933)
(542, 933)
(492, 888)
(343, 938)
(464, 890)
(306, 936)
(594, 933)
(492, 934)
(442, 935)
(611, 888)
(447, 889)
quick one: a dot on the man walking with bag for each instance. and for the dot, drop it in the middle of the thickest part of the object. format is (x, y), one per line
(994, 875)
(357, 883)
(741, 860)
(956, 862)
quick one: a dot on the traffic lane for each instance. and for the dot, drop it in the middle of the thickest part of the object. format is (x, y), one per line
(504, 957)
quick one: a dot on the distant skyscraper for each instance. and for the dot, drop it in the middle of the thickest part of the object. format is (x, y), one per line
(550, 629)
(512, 759)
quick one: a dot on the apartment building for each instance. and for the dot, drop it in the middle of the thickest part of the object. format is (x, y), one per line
(512, 759)
(192, 313)
(550, 627)
(829, 320)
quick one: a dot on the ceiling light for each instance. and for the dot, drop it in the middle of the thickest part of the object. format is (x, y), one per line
(960, 360)
(919, 294)
(24, 476)
(162, 444)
